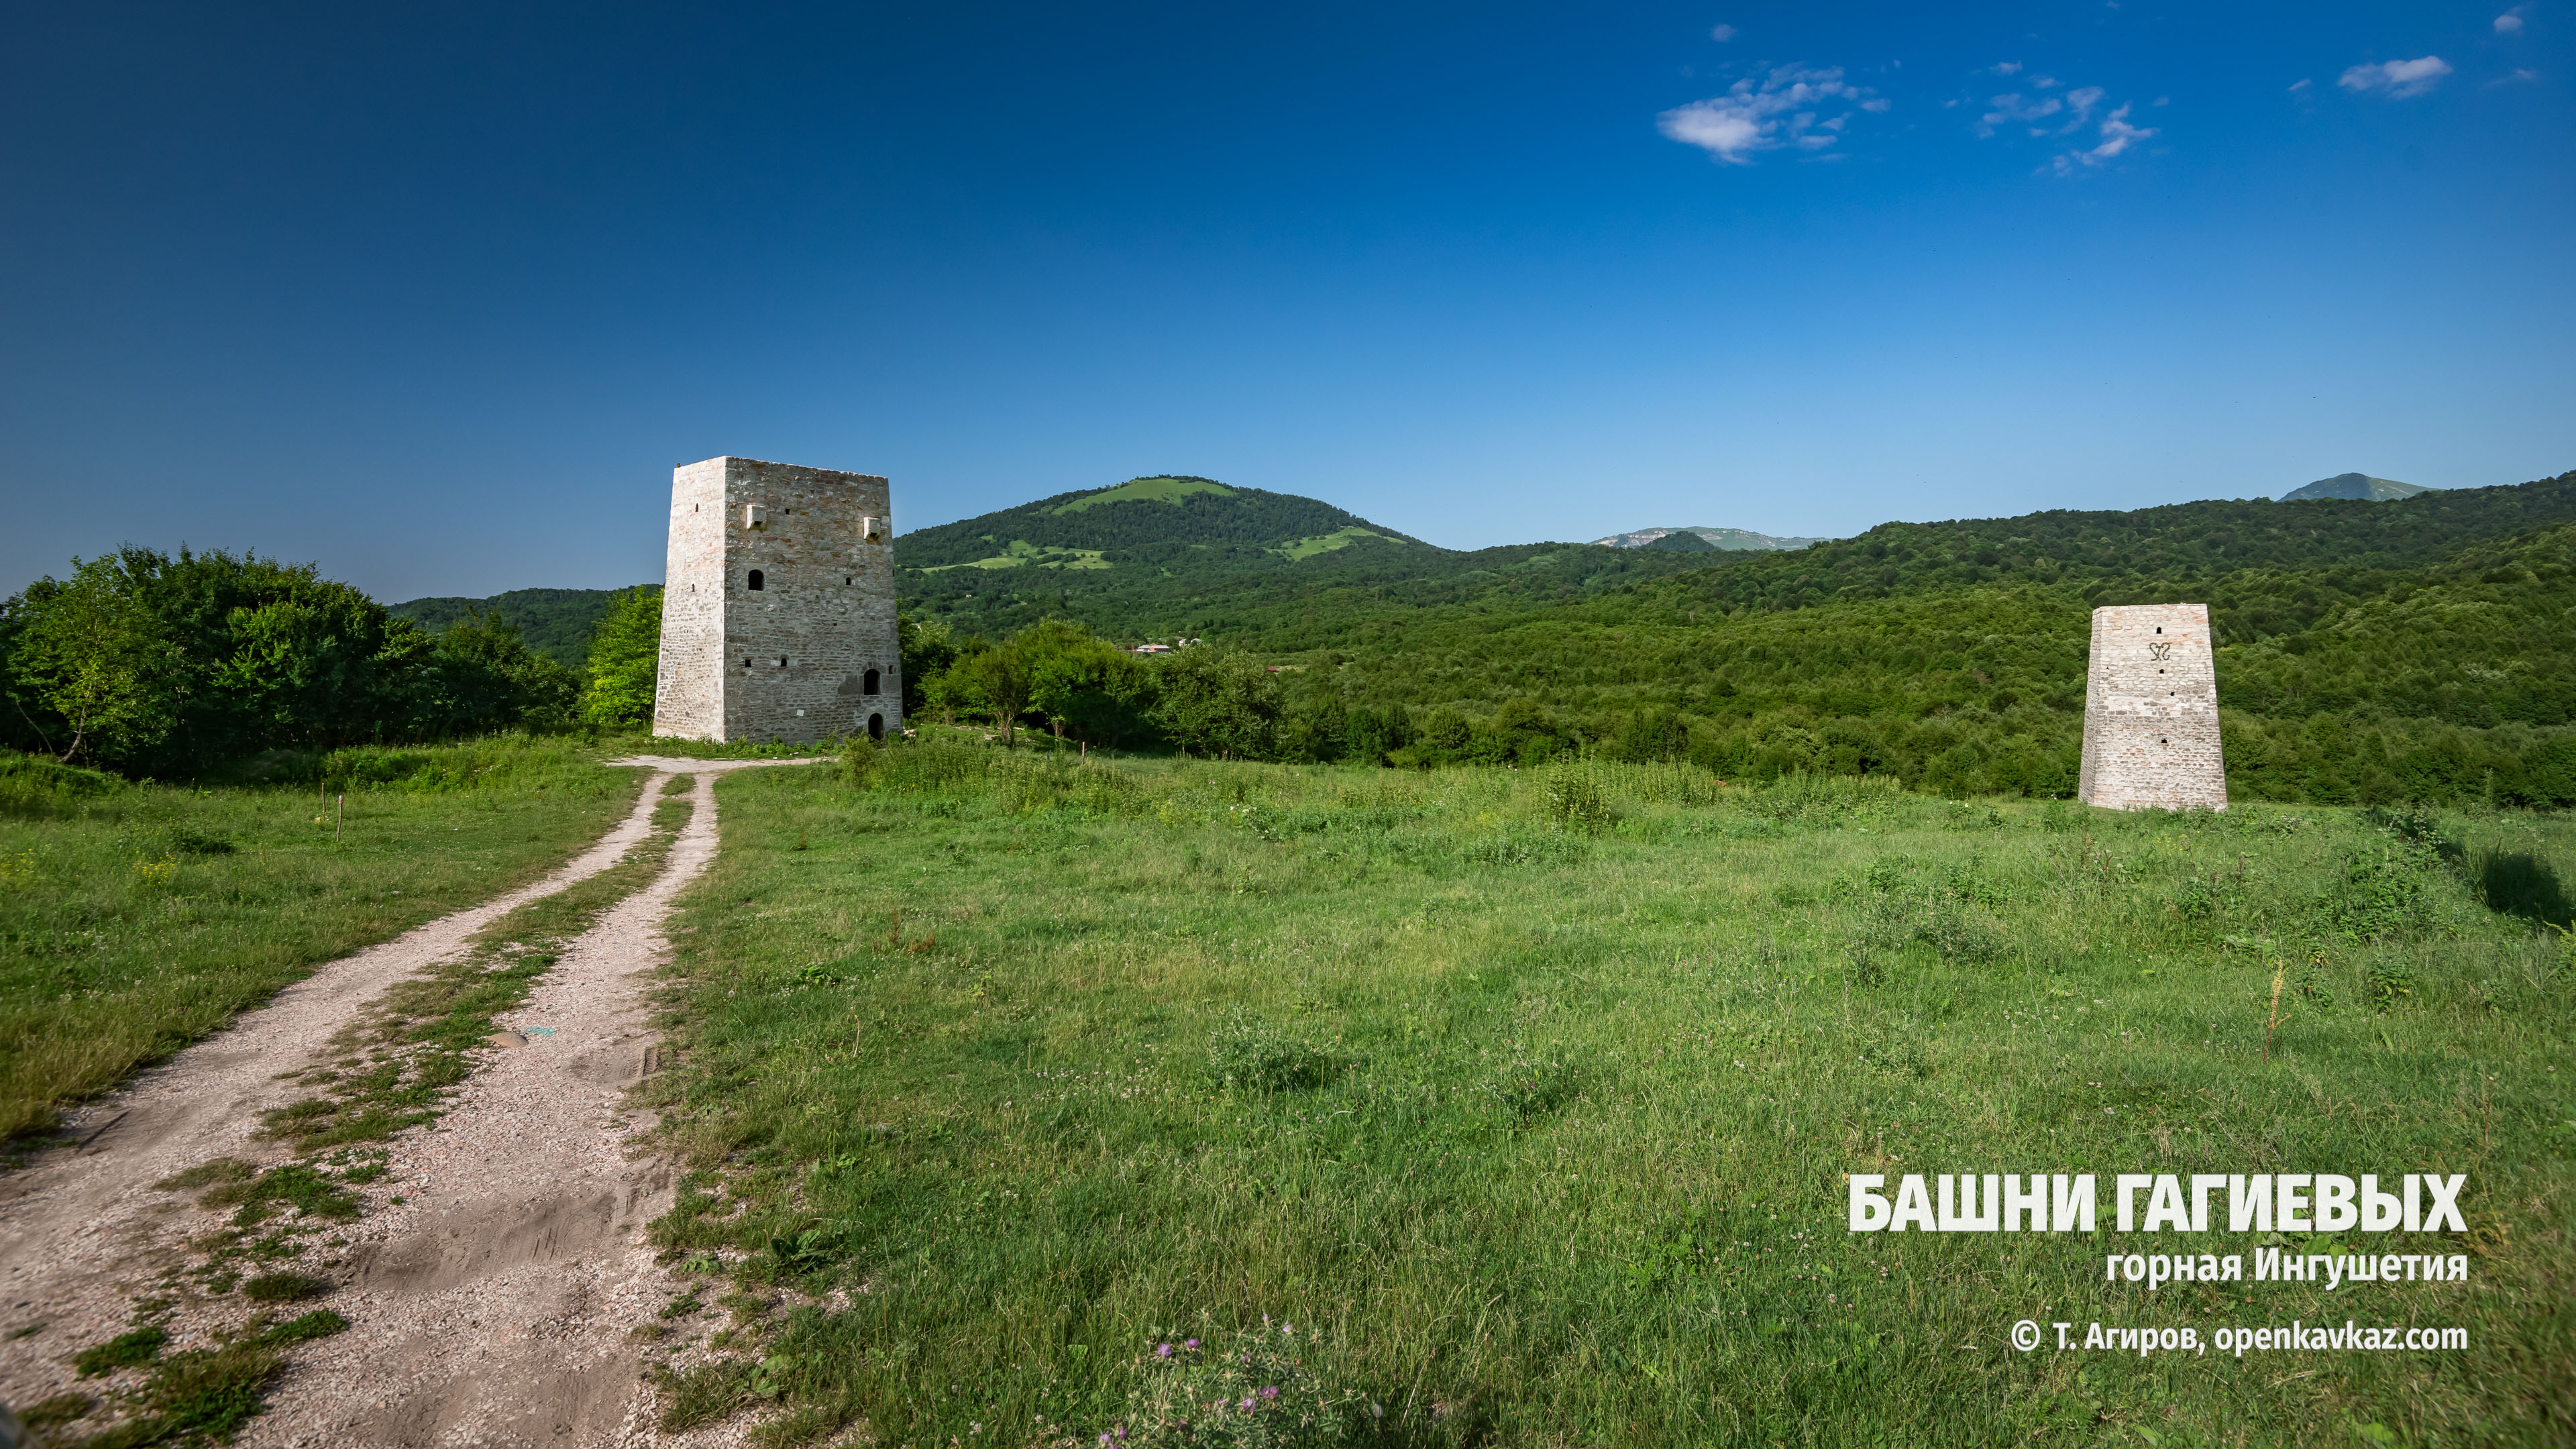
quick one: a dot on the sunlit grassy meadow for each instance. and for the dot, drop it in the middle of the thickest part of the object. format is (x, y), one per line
(1525, 1100)
(135, 918)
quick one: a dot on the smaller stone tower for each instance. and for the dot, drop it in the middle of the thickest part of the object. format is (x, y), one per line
(2151, 711)
(778, 605)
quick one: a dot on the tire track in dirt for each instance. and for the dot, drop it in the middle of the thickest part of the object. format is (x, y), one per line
(495, 1278)
(494, 1307)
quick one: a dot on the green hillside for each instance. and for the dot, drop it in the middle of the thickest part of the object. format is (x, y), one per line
(1141, 524)
(2354, 485)
(554, 622)
(1358, 598)
(1175, 556)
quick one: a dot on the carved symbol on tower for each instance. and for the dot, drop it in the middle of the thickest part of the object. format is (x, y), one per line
(2160, 652)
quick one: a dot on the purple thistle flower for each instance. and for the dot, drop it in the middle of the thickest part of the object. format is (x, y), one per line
(1163, 1350)
(1191, 1344)
(1247, 1403)
(1269, 1393)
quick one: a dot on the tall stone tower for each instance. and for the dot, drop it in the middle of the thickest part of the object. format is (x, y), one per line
(778, 605)
(2151, 711)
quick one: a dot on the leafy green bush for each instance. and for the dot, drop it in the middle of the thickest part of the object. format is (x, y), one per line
(2385, 890)
(32, 787)
(1570, 791)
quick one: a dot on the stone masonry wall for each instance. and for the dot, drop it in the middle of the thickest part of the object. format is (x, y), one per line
(788, 660)
(2151, 711)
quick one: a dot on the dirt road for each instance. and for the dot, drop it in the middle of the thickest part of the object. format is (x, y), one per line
(497, 1271)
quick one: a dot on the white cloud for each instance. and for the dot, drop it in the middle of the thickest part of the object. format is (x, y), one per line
(2117, 137)
(1786, 108)
(2008, 67)
(1722, 33)
(2011, 109)
(2396, 79)
(2510, 21)
(2297, 86)
(2518, 75)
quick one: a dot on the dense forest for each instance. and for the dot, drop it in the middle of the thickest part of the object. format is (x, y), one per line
(2376, 651)
(553, 622)
(1247, 592)
(2413, 649)
(177, 666)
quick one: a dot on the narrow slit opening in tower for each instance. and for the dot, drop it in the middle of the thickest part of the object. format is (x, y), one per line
(756, 580)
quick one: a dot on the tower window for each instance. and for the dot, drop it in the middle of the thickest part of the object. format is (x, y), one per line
(756, 580)
(868, 682)
(782, 661)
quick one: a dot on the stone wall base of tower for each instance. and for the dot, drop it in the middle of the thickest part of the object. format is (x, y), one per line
(2146, 762)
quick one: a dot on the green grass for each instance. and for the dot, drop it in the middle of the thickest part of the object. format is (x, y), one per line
(1526, 1101)
(135, 919)
(1022, 553)
(1149, 490)
(1327, 542)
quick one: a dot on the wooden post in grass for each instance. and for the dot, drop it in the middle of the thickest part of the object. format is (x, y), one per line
(2278, 969)
(339, 814)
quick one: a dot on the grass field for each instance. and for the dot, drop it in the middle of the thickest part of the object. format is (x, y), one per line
(136, 918)
(1516, 1107)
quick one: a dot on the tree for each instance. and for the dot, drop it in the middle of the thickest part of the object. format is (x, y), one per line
(479, 675)
(1210, 702)
(91, 655)
(1082, 684)
(625, 655)
(997, 679)
(1522, 732)
(1657, 732)
(303, 667)
(927, 649)
(1444, 738)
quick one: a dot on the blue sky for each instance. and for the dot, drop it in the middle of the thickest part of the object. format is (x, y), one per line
(438, 295)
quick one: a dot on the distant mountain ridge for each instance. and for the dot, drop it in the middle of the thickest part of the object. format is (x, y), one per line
(1149, 522)
(2359, 486)
(1727, 539)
